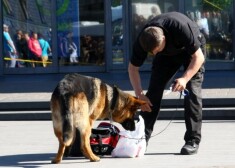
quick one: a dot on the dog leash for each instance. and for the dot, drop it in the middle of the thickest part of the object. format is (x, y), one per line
(184, 93)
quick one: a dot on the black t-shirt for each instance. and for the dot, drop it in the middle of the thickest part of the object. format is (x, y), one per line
(181, 33)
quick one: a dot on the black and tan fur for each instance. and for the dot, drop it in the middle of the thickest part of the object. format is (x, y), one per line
(78, 101)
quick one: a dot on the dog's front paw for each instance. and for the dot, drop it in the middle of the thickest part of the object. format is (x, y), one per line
(95, 159)
(55, 161)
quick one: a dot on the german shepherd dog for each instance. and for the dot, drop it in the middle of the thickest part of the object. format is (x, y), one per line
(78, 101)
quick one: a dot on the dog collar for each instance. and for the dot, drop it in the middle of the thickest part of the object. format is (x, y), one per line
(114, 99)
(113, 103)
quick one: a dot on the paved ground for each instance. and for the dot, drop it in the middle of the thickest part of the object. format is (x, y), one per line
(32, 144)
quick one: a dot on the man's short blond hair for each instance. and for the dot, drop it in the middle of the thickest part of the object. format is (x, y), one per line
(150, 38)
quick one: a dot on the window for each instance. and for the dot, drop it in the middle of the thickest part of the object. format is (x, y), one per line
(142, 11)
(117, 32)
(80, 27)
(26, 33)
(215, 20)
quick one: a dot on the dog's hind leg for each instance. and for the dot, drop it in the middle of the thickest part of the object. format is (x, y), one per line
(82, 123)
(84, 127)
(85, 145)
(58, 128)
(61, 149)
(62, 146)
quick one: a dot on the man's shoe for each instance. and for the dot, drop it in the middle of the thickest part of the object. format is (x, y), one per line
(190, 148)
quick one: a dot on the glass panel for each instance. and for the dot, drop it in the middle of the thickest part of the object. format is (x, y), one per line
(118, 56)
(142, 11)
(214, 17)
(117, 23)
(81, 32)
(117, 31)
(27, 33)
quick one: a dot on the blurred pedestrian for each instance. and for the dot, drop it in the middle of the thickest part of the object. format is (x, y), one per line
(46, 49)
(9, 47)
(35, 48)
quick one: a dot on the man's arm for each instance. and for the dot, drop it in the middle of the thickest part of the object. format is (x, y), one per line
(136, 84)
(195, 64)
(135, 79)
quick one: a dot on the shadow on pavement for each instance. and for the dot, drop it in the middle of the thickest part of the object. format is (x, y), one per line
(37, 160)
(162, 154)
(26, 160)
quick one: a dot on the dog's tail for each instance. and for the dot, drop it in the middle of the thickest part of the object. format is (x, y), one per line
(68, 127)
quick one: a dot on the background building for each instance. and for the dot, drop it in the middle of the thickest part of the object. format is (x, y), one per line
(100, 33)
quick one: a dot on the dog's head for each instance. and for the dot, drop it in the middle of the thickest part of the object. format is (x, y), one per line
(126, 109)
(128, 124)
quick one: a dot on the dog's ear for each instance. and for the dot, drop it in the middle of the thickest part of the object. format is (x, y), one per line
(136, 103)
(139, 102)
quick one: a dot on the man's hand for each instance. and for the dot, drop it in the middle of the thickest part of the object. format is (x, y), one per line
(179, 85)
(146, 107)
(195, 64)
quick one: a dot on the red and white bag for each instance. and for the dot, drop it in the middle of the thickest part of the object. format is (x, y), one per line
(131, 143)
(104, 138)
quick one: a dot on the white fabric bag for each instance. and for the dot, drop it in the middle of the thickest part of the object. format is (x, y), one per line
(131, 143)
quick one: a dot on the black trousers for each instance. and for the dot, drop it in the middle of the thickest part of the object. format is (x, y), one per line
(164, 68)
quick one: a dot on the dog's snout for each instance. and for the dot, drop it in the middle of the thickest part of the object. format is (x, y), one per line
(128, 124)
